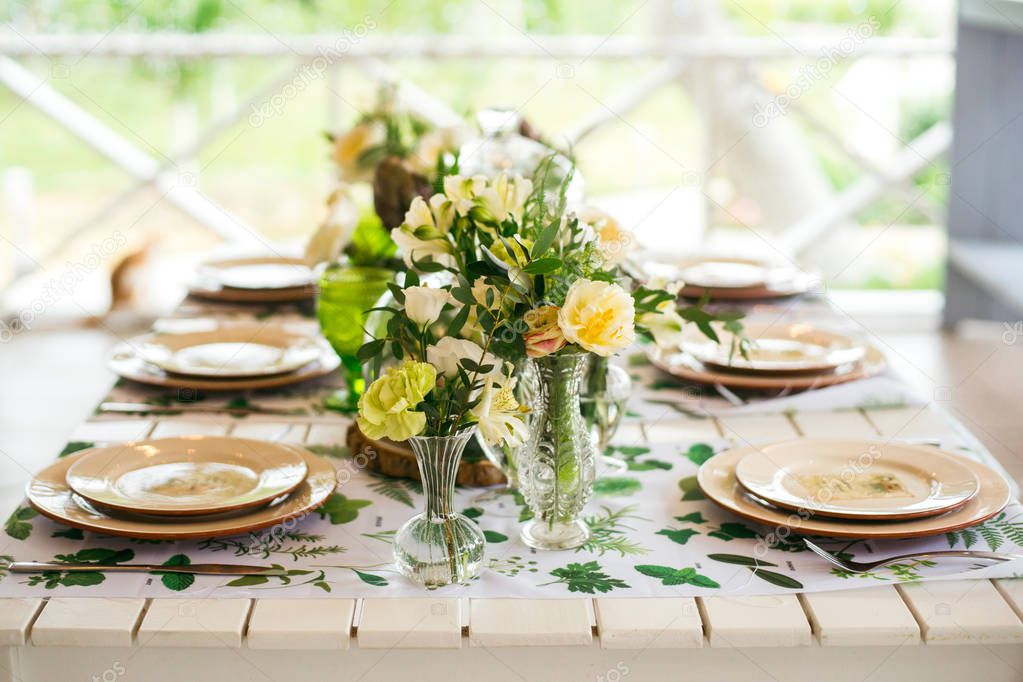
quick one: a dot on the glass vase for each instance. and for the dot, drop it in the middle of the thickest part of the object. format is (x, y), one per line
(439, 546)
(556, 468)
(605, 395)
(502, 456)
(346, 292)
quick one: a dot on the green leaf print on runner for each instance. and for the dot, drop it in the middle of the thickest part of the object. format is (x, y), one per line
(494, 537)
(630, 453)
(339, 509)
(18, 526)
(677, 576)
(679, 535)
(98, 556)
(176, 581)
(285, 580)
(690, 489)
(608, 533)
(995, 533)
(756, 567)
(397, 489)
(732, 530)
(371, 579)
(588, 578)
(616, 486)
(69, 533)
(699, 453)
(74, 446)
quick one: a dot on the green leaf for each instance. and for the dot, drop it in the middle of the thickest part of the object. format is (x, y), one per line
(700, 453)
(75, 446)
(17, 525)
(543, 266)
(732, 530)
(703, 581)
(472, 512)
(738, 560)
(655, 571)
(649, 465)
(676, 576)
(777, 579)
(690, 489)
(494, 537)
(695, 517)
(82, 579)
(588, 578)
(371, 579)
(545, 240)
(680, 536)
(248, 581)
(339, 509)
(176, 581)
(633, 450)
(370, 349)
(69, 533)
(616, 486)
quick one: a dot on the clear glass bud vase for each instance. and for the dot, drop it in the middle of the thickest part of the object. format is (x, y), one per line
(556, 469)
(440, 546)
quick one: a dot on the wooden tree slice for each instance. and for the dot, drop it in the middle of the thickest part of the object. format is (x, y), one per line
(396, 459)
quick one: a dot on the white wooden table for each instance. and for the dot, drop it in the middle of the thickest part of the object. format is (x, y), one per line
(877, 633)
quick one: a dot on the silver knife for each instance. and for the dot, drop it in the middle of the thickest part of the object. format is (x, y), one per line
(145, 408)
(201, 569)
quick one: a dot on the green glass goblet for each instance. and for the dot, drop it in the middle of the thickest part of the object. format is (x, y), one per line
(346, 293)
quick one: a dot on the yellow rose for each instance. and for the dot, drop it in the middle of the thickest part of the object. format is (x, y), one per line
(386, 409)
(598, 316)
(544, 335)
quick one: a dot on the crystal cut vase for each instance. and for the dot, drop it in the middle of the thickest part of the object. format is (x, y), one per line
(439, 546)
(556, 468)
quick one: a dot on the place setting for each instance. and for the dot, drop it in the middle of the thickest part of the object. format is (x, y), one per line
(854, 489)
(220, 355)
(264, 279)
(769, 358)
(192, 487)
(721, 278)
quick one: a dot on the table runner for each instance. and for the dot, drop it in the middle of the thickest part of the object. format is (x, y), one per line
(653, 533)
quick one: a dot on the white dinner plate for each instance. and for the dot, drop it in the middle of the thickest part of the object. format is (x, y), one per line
(237, 349)
(855, 479)
(797, 347)
(260, 273)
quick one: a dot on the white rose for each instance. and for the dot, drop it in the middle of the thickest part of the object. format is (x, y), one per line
(423, 304)
(449, 351)
(598, 316)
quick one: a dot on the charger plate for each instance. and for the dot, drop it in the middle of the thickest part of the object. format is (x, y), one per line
(255, 280)
(718, 482)
(187, 476)
(854, 479)
(50, 495)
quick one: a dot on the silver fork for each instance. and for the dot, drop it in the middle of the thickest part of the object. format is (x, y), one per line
(864, 566)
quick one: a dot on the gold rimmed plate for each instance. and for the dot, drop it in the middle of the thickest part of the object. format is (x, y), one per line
(188, 476)
(50, 495)
(685, 367)
(862, 480)
(718, 482)
(239, 349)
(797, 347)
(255, 280)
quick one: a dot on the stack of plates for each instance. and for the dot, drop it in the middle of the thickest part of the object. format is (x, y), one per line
(178, 488)
(736, 279)
(255, 280)
(854, 489)
(780, 357)
(214, 355)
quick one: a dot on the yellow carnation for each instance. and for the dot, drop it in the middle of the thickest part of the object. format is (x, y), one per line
(387, 408)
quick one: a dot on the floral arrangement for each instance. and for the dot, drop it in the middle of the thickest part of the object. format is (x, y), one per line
(543, 280)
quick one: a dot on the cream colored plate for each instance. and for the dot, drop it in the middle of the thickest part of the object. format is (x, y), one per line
(242, 349)
(857, 479)
(187, 476)
(797, 347)
(687, 368)
(127, 361)
(49, 494)
(260, 273)
(717, 481)
(724, 273)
